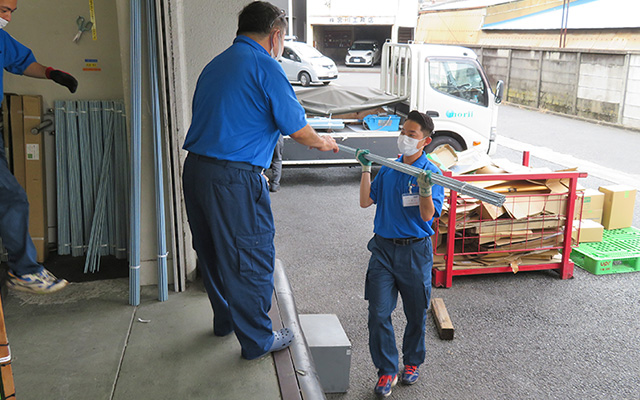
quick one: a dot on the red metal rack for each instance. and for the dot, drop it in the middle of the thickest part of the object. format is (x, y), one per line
(477, 238)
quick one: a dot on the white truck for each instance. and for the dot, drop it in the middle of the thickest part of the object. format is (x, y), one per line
(446, 82)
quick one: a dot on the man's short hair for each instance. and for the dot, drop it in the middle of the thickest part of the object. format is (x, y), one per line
(260, 17)
(425, 121)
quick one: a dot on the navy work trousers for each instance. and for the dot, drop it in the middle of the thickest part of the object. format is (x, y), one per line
(229, 212)
(14, 222)
(396, 268)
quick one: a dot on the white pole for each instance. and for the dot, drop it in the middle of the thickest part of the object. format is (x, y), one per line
(290, 12)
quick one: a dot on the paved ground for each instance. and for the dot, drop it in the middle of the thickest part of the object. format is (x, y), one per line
(87, 343)
(523, 336)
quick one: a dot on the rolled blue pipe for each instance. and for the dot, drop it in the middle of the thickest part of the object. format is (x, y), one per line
(86, 168)
(136, 138)
(75, 189)
(163, 294)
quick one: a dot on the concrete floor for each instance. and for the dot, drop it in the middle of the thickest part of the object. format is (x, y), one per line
(86, 342)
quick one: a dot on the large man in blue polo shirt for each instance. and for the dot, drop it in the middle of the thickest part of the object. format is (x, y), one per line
(24, 271)
(401, 252)
(242, 103)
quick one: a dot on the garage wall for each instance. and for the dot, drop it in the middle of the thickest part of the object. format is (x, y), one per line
(334, 25)
(47, 28)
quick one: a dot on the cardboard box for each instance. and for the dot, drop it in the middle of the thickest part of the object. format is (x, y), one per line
(592, 206)
(444, 156)
(586, 231)
(17, 139)
(35, 175)
(619, 201)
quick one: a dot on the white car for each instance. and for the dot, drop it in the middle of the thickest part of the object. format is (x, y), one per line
(305, 64)
(363, 52)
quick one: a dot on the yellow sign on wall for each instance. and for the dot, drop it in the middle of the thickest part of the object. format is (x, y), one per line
(92, 15)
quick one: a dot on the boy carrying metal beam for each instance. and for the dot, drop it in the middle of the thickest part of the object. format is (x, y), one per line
(401, 252)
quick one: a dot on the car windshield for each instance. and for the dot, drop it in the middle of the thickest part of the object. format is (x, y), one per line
(362, 46)
(308, 52)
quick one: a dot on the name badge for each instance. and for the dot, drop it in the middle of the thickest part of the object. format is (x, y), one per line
(410, 200)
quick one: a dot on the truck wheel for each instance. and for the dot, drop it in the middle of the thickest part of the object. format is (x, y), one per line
(305, 79)
(441, 141)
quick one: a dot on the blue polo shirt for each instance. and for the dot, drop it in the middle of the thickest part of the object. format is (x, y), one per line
(242, 103)
(14, 56)
(392, 220)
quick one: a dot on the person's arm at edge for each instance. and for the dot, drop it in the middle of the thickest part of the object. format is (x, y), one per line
(309, 137)
(365, 190)
(427, 209)
(36, 70)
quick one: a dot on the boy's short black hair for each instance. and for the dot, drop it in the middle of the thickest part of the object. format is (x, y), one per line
(261, 17)
(425, 121)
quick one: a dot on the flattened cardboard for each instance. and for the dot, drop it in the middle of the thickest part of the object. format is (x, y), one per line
(446, 156)
(470, 160)
(519, 187)
(520, 207)
(490, 170)
(35, 175)
(17, 139)
(619, 201)
(517, 236)
(489, 211)
(508, 224)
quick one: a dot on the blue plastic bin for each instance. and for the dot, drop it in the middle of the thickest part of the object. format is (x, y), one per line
(382, 122)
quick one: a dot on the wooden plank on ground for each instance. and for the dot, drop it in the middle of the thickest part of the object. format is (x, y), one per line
(441, 316)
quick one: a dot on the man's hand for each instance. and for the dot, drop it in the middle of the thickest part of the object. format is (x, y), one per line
(62, 78)
(360, 156)
(329, 144)
(424, 183)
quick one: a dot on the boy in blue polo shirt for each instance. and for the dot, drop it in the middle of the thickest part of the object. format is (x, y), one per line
(401, 252)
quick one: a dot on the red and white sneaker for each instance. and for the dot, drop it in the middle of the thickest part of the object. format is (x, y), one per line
(384, 385)
(410, 375)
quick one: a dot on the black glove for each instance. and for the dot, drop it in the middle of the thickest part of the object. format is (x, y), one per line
(62, 78)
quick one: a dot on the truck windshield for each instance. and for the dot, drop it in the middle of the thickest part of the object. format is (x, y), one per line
(458, 78)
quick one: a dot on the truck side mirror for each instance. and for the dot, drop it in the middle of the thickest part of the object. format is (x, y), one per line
(499, 92)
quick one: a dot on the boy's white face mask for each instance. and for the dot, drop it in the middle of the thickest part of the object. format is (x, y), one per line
(408, 146)
(3, 23)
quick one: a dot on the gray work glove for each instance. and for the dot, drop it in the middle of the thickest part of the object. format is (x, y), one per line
(360, 156)
(424, 183)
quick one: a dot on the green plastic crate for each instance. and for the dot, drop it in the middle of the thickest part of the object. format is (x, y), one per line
(618, 252)
(625, 233)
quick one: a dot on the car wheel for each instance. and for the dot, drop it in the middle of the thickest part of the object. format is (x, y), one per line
(439, 141)
(304, 78)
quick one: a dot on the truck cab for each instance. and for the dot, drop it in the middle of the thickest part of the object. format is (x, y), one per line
(447, 83)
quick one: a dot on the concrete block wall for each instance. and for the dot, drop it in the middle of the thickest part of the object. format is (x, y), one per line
(631, 113)
(603, 86)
